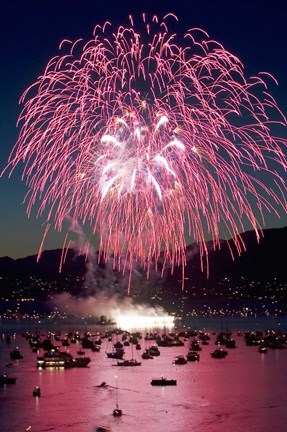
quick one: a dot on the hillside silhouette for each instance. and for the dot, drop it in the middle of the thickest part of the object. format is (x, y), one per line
(261, 261)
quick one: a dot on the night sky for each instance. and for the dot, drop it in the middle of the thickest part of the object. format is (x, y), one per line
(31, 31)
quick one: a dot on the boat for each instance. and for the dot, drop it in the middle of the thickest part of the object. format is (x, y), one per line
(37, 391)
(65, 342)
(169, 342)
(204, 337)
(146, 355)
(103, 384)
(118, 345)
(153, 350)
(163, 382)
(230, 343)
(180, 360)
(5, 379)
(131, 362)
(262, 349)
(194, 346)
(117, 412)
(80, 352)
(103, 429)
(96, 348)
(219, 353)
(192, 356)
(15, 354)
(80, 362)
(58, 359)
(87, 343)
(117, 353)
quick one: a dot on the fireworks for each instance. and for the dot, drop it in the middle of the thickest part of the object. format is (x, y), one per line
(144, 135)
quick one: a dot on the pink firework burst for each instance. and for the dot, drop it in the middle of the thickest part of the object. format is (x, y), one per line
(144, 135)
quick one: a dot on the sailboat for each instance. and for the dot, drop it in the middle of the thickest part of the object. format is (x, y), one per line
(131, 362)
(117, 411)
(116, 353)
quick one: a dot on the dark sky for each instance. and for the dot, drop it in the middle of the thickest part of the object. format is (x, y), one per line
(31, 31)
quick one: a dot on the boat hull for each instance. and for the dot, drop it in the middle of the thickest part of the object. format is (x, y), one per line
(163, 382)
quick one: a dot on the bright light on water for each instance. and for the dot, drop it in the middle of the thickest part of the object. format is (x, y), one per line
(144, 321)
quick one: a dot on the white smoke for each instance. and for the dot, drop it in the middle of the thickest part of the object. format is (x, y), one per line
(105, 275)
(102, 304)
(104, 289)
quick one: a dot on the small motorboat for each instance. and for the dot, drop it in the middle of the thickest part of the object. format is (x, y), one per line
(163, 382)
(15, 354)
(180, 360)
(146, 355)
(194, 346)
(131, 362)
(96, 348)
(153, 350)
(5, 379)
(117, 412)
(219, 353)
(116, 354)
(193, 356)
(37, 391)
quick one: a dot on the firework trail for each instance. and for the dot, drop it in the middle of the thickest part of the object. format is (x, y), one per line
(143, 134)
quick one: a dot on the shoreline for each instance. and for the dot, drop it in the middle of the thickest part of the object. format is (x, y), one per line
(222, 324)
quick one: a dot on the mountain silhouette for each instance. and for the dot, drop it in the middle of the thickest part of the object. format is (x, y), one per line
(261, 261)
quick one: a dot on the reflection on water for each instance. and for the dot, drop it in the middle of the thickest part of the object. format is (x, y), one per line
(130, 322)
(244, 391)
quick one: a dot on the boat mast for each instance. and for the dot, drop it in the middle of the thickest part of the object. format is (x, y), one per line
(117, 412)
(117, 397)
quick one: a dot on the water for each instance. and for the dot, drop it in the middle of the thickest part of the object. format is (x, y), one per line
(246, 391)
